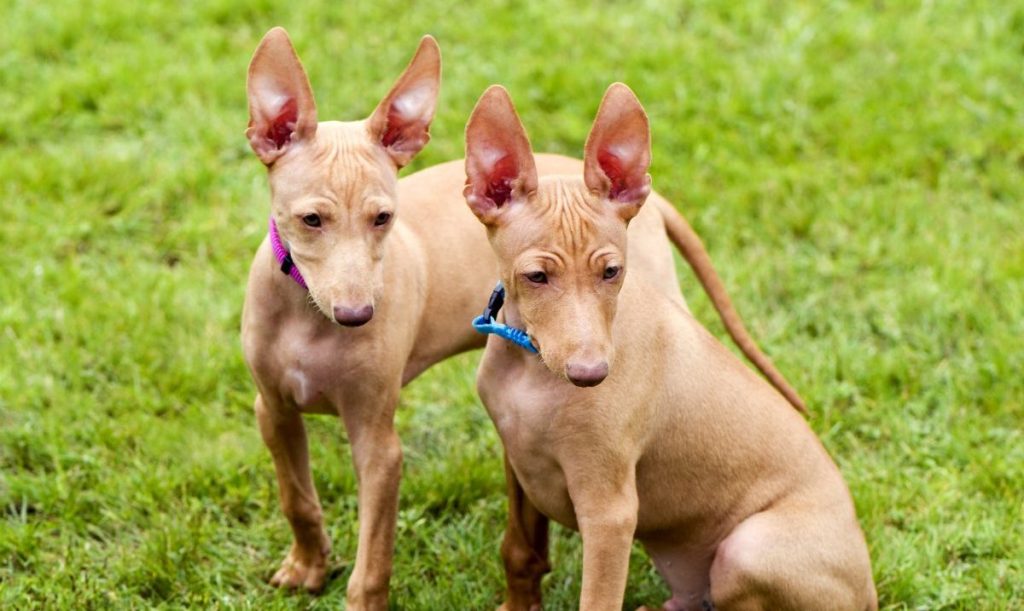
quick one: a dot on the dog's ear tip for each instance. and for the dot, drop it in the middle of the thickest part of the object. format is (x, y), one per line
(497, 93)
(276, 36)
(428, 42)
(275, 50)
(496, 100)
(622, 91)
(621, 100)
(426, 61)
(484, 110)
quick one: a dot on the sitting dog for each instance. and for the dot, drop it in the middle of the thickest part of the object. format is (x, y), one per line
(632, 421)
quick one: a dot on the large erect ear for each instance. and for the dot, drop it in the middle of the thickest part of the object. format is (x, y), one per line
(499, 163)
(618, 151)
(281, 107)
(401, 122)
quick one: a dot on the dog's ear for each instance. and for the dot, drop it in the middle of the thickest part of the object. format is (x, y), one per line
(618, 151)
(499, 163)
(281, 107)
(401, 122)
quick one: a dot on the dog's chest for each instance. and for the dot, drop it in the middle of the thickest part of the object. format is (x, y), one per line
(308, 375)
(303, 382)
(312, 370)
(543, 480)
(526, 418)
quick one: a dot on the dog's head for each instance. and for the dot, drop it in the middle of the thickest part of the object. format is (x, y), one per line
(561, 241)
(333, 184)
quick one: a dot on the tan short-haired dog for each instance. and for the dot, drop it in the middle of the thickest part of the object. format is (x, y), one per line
(634, 422)
(371, 295)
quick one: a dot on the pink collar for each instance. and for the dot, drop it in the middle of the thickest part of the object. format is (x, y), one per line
(283, 256)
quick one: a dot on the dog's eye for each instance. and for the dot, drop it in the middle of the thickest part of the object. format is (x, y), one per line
(611, 271)
(537, 277)
(382, 219)
(311, 220)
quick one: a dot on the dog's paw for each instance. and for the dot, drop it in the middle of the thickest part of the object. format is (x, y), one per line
(299, 570)
(674, 604)
(506, 607)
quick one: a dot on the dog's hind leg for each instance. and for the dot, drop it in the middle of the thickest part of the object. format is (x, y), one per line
(285, 436)
(684, 569)
(792, 559)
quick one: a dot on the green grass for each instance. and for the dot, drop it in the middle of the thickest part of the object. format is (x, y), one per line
(854, 168)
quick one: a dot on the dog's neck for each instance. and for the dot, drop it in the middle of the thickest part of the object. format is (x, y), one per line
(282, 253)
(511, 318)
(510, 314)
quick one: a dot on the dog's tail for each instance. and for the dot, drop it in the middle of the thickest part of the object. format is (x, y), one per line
(692, 249)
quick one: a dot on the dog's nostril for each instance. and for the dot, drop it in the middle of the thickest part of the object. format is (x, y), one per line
(587, 375)
(353, 317)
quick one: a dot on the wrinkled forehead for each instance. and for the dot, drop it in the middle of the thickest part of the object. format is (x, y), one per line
(341, 162)
(564, 215)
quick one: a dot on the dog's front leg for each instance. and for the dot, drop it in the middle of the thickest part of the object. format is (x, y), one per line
(606, 513)
(524, 549)
(377, 454)
(285, 436)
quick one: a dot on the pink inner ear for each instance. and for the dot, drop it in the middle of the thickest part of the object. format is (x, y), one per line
(393, 131)
(406, 133)
(499, 181)
(629, 183)
(612, 168)
(283, 125)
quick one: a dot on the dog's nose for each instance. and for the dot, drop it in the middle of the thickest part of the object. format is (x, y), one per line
(353, 317)
(588, 374)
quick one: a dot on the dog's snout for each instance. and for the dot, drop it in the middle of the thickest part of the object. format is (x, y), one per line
(587, 374)
(353, 317)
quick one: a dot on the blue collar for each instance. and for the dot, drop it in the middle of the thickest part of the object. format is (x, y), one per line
(485, 323)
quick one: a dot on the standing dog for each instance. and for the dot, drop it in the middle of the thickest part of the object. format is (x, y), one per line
(372, 296)
(634, 422)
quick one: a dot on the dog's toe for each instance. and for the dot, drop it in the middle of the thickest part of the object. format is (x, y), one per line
(315, 580)
(295, 574)
(287, 576)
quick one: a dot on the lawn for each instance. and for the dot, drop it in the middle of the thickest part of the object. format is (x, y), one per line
(855, 169)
